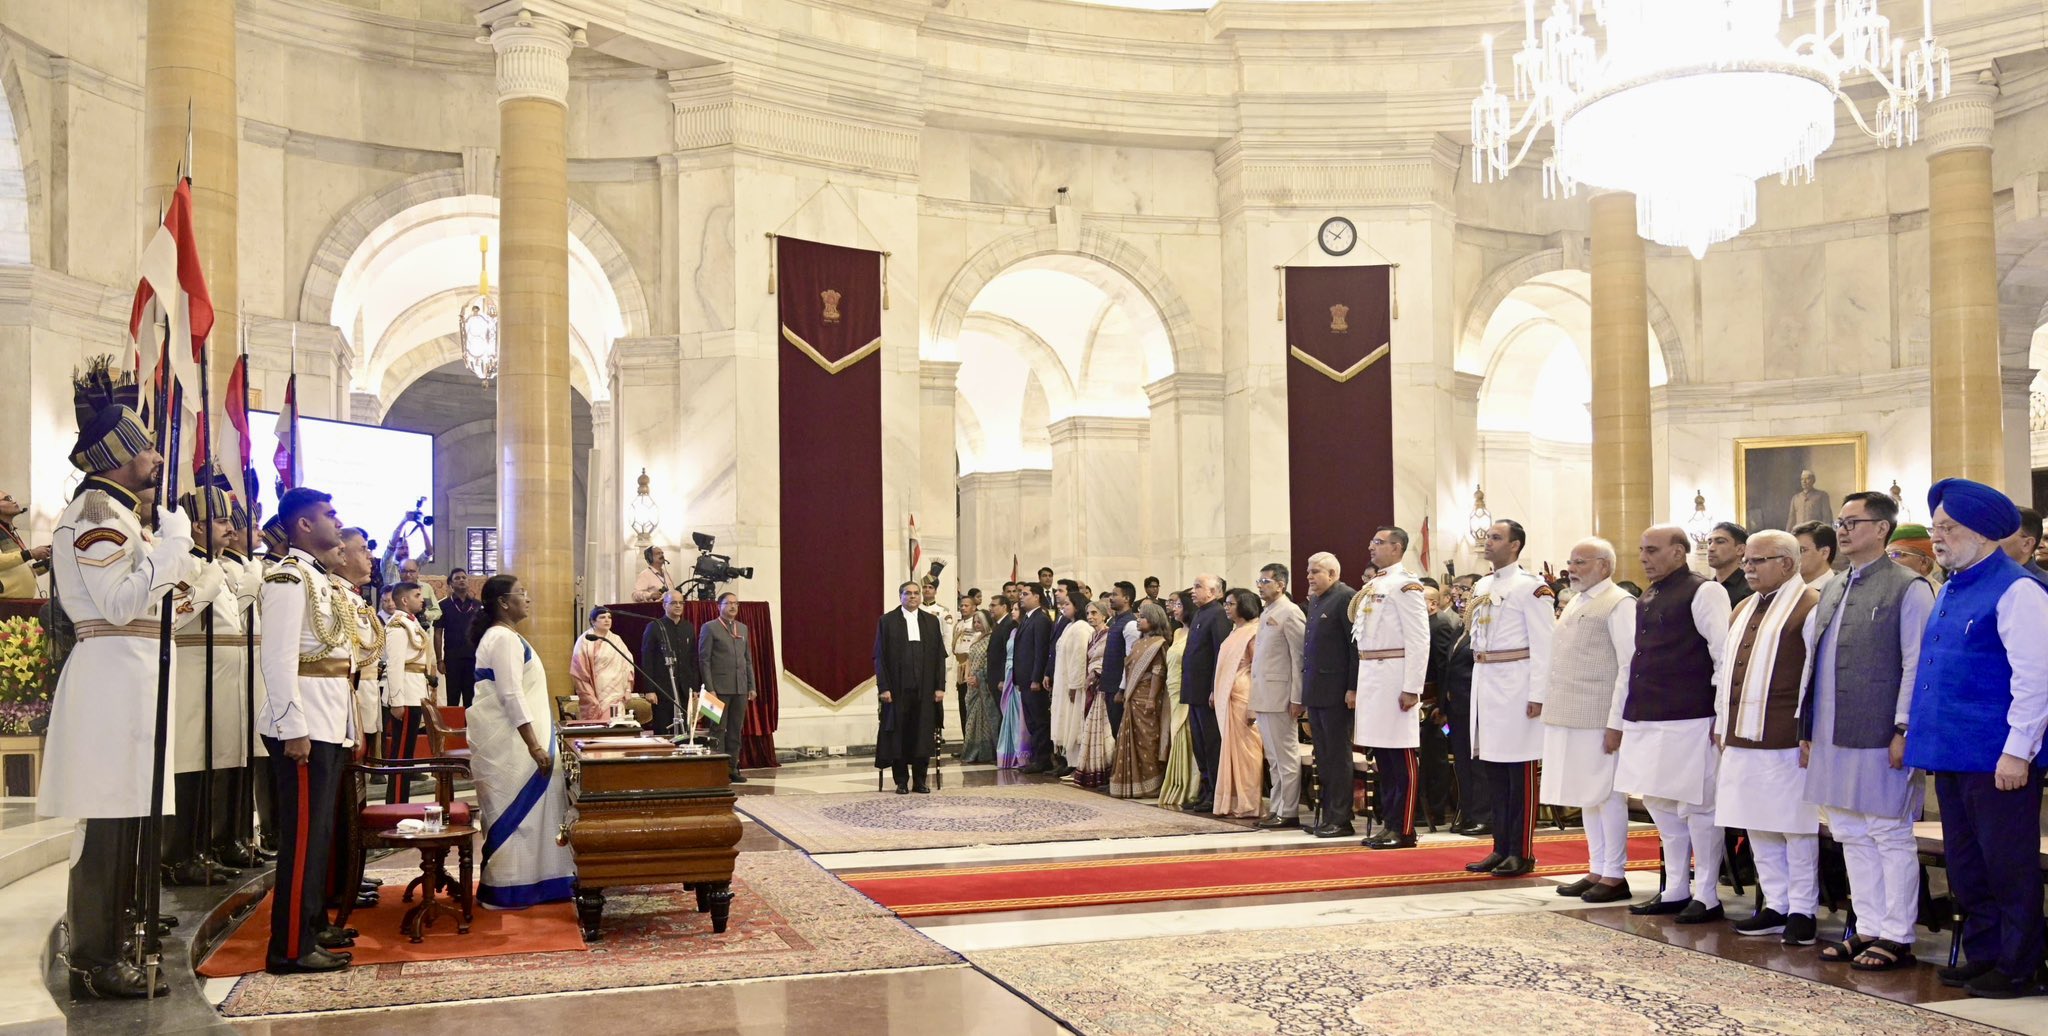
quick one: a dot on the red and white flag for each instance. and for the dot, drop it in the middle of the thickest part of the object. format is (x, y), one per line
(1425, 545)
(915, 552)
(173, 280)
(235, 404)
(287, 456)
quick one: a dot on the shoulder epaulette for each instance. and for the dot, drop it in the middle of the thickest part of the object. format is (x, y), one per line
(1544, 590)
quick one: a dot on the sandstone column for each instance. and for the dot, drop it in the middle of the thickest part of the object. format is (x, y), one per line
(1622, 483)
(1966, 400)
(535, 516)
(189, 59)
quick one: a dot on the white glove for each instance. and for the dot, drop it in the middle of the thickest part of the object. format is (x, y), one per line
(174, 525)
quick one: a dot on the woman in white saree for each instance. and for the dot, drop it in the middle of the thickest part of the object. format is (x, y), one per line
(512, 757)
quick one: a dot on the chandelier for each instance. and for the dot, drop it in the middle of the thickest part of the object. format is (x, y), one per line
(644, 515)
(477, 322)
(1700, 527)
(1688, 103)
(1480, 521)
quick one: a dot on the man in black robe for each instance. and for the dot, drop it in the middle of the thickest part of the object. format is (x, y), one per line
(910, 680)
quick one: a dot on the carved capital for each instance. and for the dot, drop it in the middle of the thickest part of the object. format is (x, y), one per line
(533, 55)
(1963, 118)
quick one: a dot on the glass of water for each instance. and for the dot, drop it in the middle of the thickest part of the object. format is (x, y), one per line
(436, 819)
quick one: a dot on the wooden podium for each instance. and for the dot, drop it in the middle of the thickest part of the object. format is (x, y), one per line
(648, 814)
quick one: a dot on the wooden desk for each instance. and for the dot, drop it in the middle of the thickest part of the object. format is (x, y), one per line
(648, 814)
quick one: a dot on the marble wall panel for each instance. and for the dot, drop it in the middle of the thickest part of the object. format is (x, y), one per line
(99, 218)
(1795, 309)
(1732, 335)
(1857, 292)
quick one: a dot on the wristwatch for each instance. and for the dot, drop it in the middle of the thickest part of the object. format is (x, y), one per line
(1899, 729)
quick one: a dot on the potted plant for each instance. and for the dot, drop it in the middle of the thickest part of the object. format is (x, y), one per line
(27, 676)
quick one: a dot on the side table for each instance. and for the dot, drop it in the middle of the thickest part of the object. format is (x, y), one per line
(433, 848)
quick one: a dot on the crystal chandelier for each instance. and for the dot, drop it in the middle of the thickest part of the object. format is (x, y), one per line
(477, 322)
(1688, 103)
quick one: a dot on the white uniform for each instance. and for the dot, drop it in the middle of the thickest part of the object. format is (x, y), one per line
(210, 587)
(102, 735)
(248, 580)
(1392, 632)
(408, 656)
(305, 673)
(948, 630)
(366, 649)
(1511, 618)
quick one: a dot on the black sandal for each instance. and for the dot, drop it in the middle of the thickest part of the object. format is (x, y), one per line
(1891, 956)
(1845, 952)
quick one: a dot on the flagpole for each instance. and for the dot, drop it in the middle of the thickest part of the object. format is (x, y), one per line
(203, 479)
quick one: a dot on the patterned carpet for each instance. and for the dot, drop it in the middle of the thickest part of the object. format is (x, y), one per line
(788, 918)
(1494, 974)
(969, 816)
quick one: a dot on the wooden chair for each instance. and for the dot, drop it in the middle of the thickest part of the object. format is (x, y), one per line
(366, 818)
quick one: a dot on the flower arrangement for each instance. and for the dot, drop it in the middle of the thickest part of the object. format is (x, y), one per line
(26, 675)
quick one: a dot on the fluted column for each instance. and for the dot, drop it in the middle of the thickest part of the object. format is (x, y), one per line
(1967, 438)
(1622, 483)
(535, 503)
(189, 69)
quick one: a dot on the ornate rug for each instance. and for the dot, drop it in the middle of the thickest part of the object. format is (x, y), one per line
(788, 918)
(968, 816)
(1043, 884)
(1562, 976)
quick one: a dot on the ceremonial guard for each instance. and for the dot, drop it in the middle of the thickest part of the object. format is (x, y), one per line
(102, 735)
(948, 631)
(1581, 711)
(1756, 724)
(1979, 706)
(408, 681)
(246, 796)
(1512, 616)
(307, 724)
(206, 716)
(1667, 750)
(20, 564)
(1391, 629)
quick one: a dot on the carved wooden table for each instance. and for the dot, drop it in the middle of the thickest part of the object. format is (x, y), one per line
(648, 813)
(433, 849)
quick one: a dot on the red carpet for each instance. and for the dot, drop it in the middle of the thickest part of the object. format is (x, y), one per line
(1095, 882)
(550, 927)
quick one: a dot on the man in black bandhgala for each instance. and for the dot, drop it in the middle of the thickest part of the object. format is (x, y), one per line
(910, 680)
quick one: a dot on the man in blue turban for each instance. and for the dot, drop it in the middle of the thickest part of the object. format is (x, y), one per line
(1979, 706)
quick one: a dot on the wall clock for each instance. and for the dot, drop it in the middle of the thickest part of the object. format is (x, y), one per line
(1337, 236)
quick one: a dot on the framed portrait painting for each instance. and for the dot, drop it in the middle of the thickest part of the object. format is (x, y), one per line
(1782, 481)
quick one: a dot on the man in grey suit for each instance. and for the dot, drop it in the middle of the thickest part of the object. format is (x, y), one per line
(1276, 694)
(724, 659)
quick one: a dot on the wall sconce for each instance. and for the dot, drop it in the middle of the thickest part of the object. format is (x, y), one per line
(1481, 521)
(1701, 525)
(1899, 498)
(643, 516)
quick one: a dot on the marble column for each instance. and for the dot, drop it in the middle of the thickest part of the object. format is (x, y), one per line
(1967, 437)
(1622, 485)
(938, 513)
(189, 81)
(535, 476)
(1184, 510)
(1098, 463)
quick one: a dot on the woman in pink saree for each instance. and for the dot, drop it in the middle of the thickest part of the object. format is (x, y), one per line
(1238, 764)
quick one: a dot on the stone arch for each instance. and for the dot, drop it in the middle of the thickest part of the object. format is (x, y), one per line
(355, 225)
(438, 352)
(1037, 353)
(1496, 286)
(1191, 350)
(2022, 278)
(23, 234)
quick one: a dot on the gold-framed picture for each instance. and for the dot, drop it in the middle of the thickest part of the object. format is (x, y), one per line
(1783, 480)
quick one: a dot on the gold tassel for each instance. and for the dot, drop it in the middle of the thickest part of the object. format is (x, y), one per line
(771, 262)
(1393, 296)
(885, 280)
(1280, 305)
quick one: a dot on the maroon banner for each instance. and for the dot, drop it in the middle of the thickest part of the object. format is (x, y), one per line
(764, 707)
(1340, 412)
(831, 424)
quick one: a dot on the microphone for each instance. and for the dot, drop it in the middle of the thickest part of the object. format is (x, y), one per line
(651, 678)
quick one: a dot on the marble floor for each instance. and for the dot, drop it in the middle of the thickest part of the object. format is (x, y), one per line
(963, 999)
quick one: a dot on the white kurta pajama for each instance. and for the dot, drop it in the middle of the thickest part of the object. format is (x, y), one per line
(1673, 765)
(1758, 789)
(1578, 770)
(522, 808)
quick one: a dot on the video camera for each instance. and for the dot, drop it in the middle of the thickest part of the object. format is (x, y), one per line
(710, 569)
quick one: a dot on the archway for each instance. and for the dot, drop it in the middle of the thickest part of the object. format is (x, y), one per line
(461, 413)
(1534, 425)
(15, 228)
(1052, 418)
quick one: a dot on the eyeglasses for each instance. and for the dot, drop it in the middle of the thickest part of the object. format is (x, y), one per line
(1265, 580)
(1850, 524)
(1945, 528)
(1754, 562)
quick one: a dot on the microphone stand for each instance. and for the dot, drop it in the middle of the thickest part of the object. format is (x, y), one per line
(651, 678)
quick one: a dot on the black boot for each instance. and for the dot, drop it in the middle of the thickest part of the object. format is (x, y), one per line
(120, 980)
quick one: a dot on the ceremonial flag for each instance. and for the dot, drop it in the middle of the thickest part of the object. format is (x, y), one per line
(1425, 545)
(237, 407)
(915, 553)
(171, 276)
(1013, 568)
(287, 456)
(711, 707)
